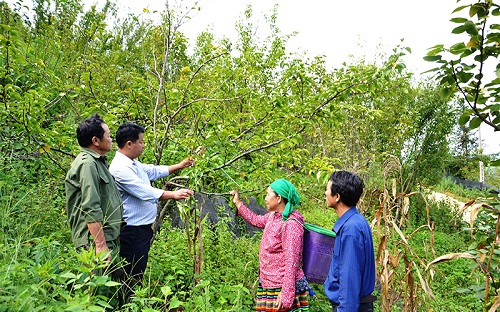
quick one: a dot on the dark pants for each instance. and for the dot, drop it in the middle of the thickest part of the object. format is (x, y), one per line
(116, 271)
(363, 307)
(135, 242)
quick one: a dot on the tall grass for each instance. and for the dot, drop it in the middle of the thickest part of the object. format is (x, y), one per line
(39, 270)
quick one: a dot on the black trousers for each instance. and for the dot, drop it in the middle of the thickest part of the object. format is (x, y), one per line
(135, 242)
(363, 307)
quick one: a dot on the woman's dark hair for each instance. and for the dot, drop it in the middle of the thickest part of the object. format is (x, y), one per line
(348, 185)
(128, 131)
(284, 199)
(89, 128)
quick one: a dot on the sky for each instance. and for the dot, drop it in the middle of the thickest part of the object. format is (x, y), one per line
(339, 30)
(336, 29)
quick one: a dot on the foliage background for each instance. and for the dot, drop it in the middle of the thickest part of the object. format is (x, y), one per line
(248, 112)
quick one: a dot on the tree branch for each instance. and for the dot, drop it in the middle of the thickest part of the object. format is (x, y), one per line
(263, 147)
(256, 124)
(248, 152)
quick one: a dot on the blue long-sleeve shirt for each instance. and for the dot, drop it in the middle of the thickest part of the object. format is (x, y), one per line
(352, 269)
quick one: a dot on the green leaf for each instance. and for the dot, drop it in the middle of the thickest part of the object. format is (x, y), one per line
(481, 99)
(431, 58)
(496, 120)
(166, 291)
(457, 48)
(78, 286)
(68, 275)
(458, 30)
(15, 95)
(460, 8)
(104, 304)
(437, 47)
(475, 123)
(447, 81)
(495, 163)
(459, 20)
(467, 52)
(445, 93)
(474, 9)
(470, 28)
(495, 107)
(464, 77)
(464, 119)
(175, 303)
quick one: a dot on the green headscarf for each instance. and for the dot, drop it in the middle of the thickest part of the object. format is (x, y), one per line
(286, 190)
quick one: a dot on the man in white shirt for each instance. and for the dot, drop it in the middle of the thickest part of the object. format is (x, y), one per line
(140, 199)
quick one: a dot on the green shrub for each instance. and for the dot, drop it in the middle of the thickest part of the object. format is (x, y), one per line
(449, 278)
(39, 270)
(447, 186)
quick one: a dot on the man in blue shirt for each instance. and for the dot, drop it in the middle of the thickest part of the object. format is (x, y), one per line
(351, 278)
(140, 199)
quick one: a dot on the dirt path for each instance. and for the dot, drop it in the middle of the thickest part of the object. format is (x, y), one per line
(456, 205)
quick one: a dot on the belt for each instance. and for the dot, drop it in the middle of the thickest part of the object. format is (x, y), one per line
(366, 299)
(369, 298)
(140, 226)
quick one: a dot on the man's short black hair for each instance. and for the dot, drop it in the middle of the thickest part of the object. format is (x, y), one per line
(89, 128)
(348, 185)
(128, 131)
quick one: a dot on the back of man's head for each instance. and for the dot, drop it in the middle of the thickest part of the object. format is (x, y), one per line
(348, 185)
(89, 128)
(128, 131)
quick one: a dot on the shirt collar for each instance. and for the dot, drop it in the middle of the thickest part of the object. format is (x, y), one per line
(94, 153)
(124, 159)
(340, 222)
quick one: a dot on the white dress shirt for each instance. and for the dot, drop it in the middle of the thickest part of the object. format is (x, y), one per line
(133, 180)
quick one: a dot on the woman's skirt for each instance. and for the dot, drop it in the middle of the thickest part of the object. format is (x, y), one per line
(267, 298)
